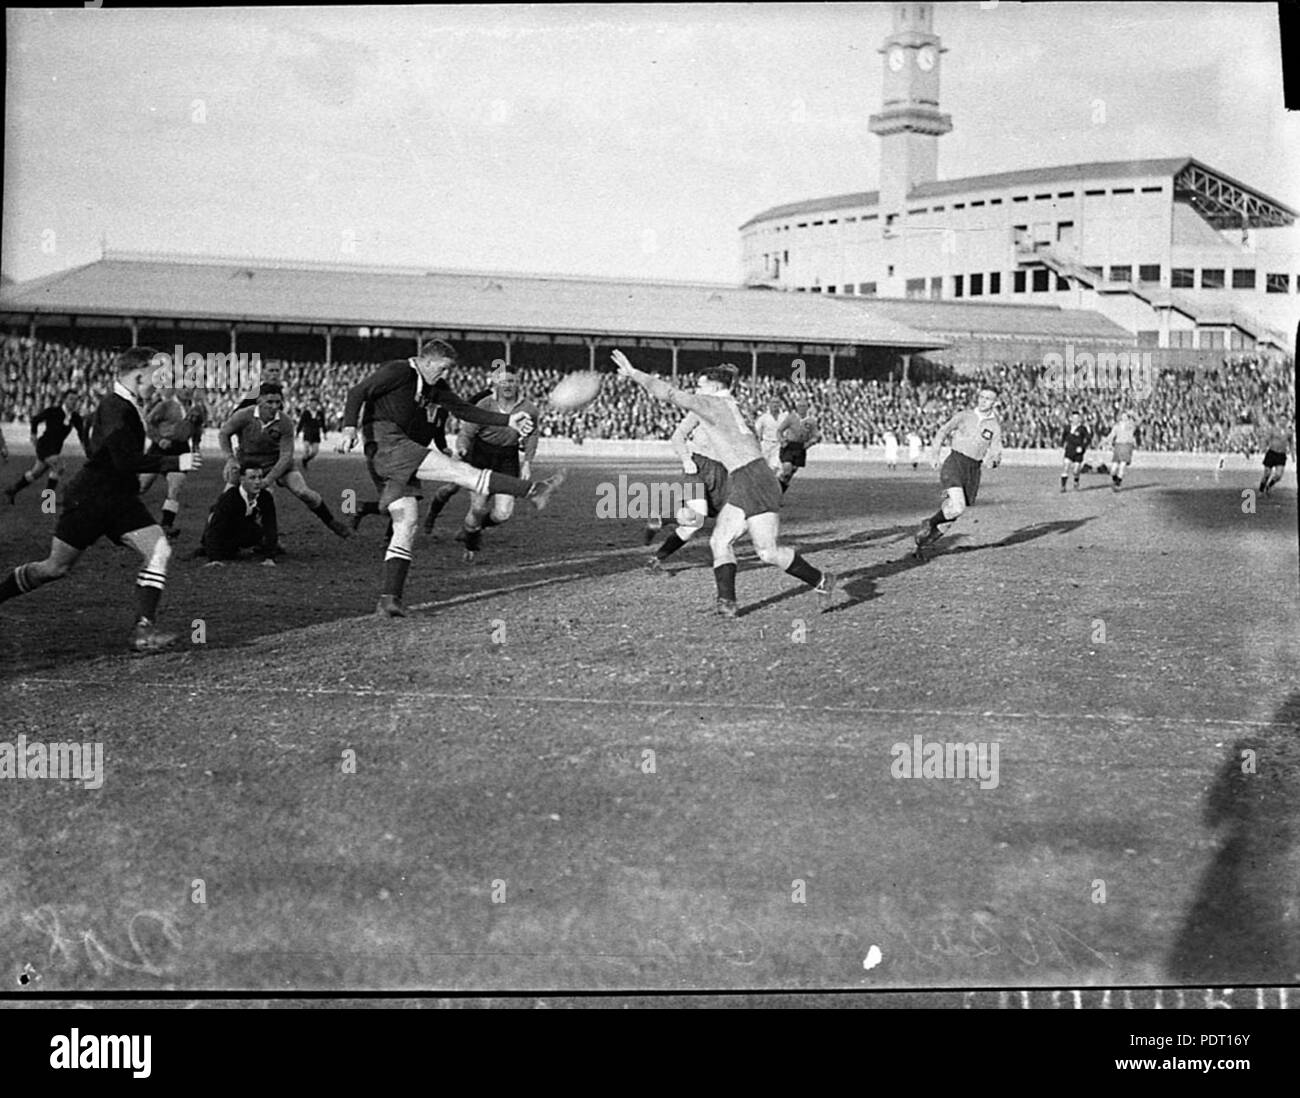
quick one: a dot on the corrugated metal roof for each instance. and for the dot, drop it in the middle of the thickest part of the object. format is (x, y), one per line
(967, 319)
(303, 293)
(1032, 177)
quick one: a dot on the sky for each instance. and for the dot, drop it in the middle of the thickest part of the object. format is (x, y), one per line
(610, 140)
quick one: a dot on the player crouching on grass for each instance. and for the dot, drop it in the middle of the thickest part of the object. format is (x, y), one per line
(103, 500)
(242, 518)
(398, 392)
(976, 434)
(753, 495)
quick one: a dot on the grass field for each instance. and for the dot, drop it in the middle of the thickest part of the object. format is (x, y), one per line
(503, 828)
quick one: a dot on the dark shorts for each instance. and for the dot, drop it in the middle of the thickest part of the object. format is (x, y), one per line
(1074, 455)
(713, 476)
(88, 517)
(1274, 458)
(754, 489)
(370, 449)
(396, 459)
(960, 471)
(499, 459)
(794, 453)
(44, 453)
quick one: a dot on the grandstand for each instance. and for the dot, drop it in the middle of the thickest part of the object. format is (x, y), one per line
(1179, 254)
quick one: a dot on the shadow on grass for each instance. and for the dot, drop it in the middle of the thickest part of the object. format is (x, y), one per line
(1244, 925)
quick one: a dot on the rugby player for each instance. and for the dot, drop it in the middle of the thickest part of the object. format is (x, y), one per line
(798, 432)
(768, 429)
(753, 497)
(103, 500)
(976, 436)
(915, 447)
(443, 493)
(1076, 439)
(168, 425)
(690, 441)
(1121, 438)
(499, 449)
(54, 425)
(243, 517)
(311, 426)
(265, 435)
(398, 391)
(1275, 448)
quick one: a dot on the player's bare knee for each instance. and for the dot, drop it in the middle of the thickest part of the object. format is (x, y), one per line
(768, 554)
(689, 516)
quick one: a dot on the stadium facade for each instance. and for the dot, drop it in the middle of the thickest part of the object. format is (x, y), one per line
(1179, 254)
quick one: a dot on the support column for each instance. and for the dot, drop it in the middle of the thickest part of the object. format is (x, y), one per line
(234, 339)
(753, 365)
(31, 347)
(675, 346)
(907, 364)
(134, 326)
(509, 344)
(329, 346)
(591, 355)
(832, 364)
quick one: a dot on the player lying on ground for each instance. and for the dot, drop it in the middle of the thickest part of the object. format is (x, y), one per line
(1121, 440)
(265, 436)
(242, 518)
(50, 429)
(168, 424)
(753, 497)
(499, 449)
(1076, 439)
(1275, 448)
(398, 392)
(976, 434)
(103, 500)
(799, 431)
(691, 444)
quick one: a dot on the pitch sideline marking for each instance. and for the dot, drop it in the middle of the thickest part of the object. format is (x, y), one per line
(663, 703)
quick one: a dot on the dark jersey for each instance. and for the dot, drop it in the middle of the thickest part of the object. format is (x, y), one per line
(57, 427)
(440, 420)
(311, 425)
(1076, 441)
(115, 454)
(196, 418)
(398, 395)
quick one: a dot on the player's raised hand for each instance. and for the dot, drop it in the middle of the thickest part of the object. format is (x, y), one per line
(190, 461)
(625, 368)
(522, 422)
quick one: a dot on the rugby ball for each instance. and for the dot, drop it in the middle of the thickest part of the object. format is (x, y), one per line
(575, 391)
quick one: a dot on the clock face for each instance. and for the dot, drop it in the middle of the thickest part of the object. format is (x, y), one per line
(926, 58)
(896, 58)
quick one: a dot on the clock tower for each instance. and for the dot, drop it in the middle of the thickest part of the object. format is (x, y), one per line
(910, 123)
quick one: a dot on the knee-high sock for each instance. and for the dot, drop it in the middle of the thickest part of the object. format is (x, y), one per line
(21, 580)
(725, 576)
(151, 580)
(322, 511)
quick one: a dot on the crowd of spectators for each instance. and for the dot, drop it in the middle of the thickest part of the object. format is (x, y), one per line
(1204, 411)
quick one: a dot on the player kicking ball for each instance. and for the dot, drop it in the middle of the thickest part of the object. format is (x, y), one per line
(753, 499)
(976, 435)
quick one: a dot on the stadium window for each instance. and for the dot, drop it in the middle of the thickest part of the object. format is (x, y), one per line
(1149, 337)
(1153, 190)
(1066, 194)
(915, 287)
(867, 289)
(959, 205)
(1042, 198)
(1121, 273)
(1122, 190)
(995, 282)
(801, 289)
(1041, 280)
(1017, 282)
(1062, 283)
(1243, 278)
(913, 213)
(1181, 339)
(1092, 194)
(833, 221)
(815, 289)
(974, 204)
(1277, 284)
(958, 283)
(1211, 278)
(847, 291)
(977, 285)
(938, 209)
(1182, 278)
(870, 217)
(1096, 272)
(830, 289)
(936, 288)
(995, 202)
(1149, 272)
(1020, 198)
(802, 225)
(1212, 340)
(817, 224)
(849, 220)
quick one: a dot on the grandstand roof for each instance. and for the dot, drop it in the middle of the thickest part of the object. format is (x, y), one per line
(268, 291)
(961, 320)
(1032, 177)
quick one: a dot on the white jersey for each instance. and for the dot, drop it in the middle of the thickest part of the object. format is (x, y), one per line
(891, 448)
(914, 446)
